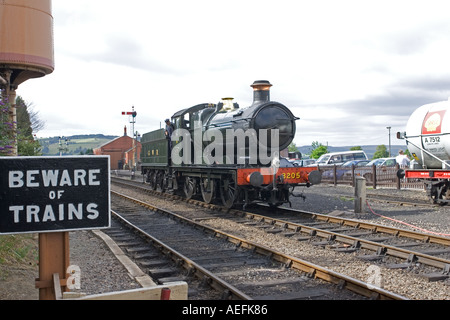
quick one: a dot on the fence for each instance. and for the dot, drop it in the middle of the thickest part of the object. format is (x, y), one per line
(385, 177)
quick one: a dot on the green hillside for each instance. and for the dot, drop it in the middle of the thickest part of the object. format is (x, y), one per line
(75, 145)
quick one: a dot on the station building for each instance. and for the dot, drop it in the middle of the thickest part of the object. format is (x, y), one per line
(124, 154)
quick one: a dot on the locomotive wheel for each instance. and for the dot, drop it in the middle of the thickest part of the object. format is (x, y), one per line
(189, 187)
(174, 182)
(207, 187)
(162, 182)
(228, 191)
(152, 180)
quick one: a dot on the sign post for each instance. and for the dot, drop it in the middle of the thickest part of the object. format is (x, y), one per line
(54, 258)
(53, 196)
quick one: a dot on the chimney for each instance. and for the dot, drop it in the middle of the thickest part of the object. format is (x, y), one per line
(125, 131)
(261, 91)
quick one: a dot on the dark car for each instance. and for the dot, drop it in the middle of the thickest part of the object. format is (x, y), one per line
(303, 163)
(357, 163)
(384, 168)
(344, 169)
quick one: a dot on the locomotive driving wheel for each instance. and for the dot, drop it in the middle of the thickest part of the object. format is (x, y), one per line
(162, 181)
(228, 191)
(152, 180)
(189, 187)
(207, 187)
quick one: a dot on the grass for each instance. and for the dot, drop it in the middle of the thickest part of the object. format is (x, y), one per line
(344, 198)
(19, 251)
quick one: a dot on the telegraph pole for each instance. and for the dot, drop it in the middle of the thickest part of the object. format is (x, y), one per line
(389, 128)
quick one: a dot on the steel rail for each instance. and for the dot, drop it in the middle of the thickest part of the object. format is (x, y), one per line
(313, 270)
(349, 240)
(362, 243)
(343, 221)
(427, 238)
(190, 265)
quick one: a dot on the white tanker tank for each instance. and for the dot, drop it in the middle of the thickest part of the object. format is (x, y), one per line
(428, 135)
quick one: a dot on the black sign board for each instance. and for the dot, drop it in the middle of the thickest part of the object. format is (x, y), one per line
(54, 194)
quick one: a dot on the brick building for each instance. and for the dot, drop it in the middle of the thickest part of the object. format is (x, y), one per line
(121, 151)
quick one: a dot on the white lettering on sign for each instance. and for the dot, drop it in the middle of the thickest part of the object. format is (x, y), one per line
(36, 214)
(53, 178)
(54, 194)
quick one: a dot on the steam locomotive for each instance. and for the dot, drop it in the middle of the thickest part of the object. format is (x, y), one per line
(224, 152)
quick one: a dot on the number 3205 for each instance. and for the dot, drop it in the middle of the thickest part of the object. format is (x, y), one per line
(292, 175)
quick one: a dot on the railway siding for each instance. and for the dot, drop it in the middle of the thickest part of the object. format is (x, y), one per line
(254, 259)
(399, 280)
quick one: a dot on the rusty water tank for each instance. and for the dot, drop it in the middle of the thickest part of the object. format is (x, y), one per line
(26, 39)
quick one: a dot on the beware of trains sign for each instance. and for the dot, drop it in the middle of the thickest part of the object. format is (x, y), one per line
(40, 194)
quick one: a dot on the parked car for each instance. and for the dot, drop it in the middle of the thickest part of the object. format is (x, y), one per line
(339, 158)
(344, 169)
(383, 167)
(285, 163)
(387, 162)
(304, 162)
(357, 163)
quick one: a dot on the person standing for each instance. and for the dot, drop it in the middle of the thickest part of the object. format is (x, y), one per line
(169, 131)
(402, 159)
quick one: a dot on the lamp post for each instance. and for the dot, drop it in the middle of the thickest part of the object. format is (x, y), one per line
(389, 128)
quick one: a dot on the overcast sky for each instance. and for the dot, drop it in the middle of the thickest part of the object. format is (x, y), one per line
(348, 69)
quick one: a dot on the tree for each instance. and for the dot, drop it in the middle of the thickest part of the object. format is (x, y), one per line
(318, 150)
(26, 145)
(6, 128)
(28, 123)
(32, 117)
(355, 148)
(381, 152)
(292, 147)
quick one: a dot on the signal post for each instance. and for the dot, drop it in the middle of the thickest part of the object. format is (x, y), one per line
(133, 115)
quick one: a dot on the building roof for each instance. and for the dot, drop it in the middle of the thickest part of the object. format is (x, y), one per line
(112, 141)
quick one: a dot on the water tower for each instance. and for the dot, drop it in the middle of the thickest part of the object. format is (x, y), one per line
(26, 44)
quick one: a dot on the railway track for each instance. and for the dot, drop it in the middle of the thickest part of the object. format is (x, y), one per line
(427, 254)
(228, 262)
(251, 269)
(378, 251)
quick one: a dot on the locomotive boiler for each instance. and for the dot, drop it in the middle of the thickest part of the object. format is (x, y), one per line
(271, 124)
(223, 151)
(428, 139)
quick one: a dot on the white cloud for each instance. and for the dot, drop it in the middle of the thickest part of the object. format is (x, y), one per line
(347, 68)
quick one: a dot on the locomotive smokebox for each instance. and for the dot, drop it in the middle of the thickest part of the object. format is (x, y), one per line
(261, 91)
(26, 39)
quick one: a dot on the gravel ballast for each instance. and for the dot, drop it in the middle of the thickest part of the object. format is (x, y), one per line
(101, 272)
(328, 199)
